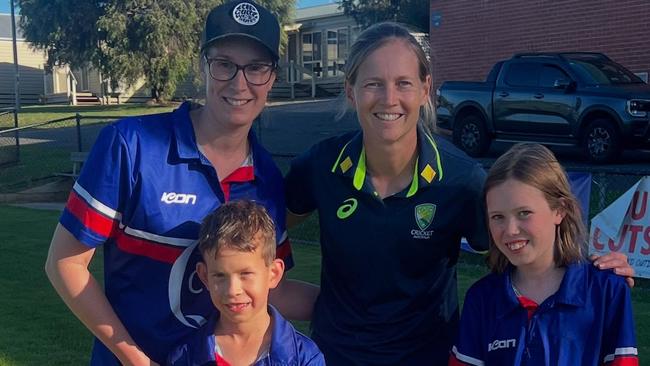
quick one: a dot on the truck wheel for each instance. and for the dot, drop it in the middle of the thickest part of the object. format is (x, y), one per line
(470, 135)
(601, 141)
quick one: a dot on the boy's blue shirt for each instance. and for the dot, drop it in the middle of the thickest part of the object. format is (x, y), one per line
(288, 346)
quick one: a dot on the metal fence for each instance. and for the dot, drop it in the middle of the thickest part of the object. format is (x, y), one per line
(9, 142)
(43, 149)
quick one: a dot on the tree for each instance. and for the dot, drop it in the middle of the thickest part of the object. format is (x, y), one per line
(412, 12)
(125, 39)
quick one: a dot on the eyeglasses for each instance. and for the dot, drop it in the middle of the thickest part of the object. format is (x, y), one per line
(224, 70)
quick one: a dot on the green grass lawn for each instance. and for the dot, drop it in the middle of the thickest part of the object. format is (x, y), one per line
(37, 328)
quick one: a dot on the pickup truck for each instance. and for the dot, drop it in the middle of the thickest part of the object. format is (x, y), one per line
(578, 98)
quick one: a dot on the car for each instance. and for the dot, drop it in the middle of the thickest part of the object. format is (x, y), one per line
(570, 98)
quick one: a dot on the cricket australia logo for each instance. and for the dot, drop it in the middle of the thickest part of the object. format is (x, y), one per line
(424, 215)
(246, 14)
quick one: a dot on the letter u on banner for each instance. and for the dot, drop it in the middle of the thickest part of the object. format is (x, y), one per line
(624, 226)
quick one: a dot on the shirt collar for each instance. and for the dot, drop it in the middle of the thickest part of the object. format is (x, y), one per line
(282, 350)
(574, 286)
(283, 340)
(351, 163)
(188, 149)
(573, 289)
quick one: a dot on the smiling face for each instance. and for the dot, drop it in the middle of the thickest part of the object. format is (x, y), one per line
(522, 224)
(239, 283)
(236, 102)
(387, 94)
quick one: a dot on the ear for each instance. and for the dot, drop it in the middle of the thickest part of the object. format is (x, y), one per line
(274, 76)
(560, 212)
(276, 270)
(202, 271)
(349, 93)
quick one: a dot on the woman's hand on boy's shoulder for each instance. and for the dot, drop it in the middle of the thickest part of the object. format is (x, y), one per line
(616, 261)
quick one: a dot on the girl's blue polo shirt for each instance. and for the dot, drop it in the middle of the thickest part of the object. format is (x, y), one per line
(142, 195)
(388, 283)
(587, 322)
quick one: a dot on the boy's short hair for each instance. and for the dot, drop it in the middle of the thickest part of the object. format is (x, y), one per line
(241, 225)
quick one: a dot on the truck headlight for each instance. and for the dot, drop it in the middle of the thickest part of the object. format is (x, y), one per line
(638, 107)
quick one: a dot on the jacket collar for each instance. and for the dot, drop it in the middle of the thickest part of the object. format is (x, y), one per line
(351, 163)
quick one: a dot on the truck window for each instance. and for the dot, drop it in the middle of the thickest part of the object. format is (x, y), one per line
(549, 74)
(522, 74)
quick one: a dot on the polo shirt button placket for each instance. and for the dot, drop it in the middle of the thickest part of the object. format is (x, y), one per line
(530, 336)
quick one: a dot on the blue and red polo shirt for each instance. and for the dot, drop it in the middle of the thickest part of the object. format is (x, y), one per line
(288, 347)
(388, 283)
(143, 194)
(588, 321)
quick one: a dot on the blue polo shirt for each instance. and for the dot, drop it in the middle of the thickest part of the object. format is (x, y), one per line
(388, 283)
(288, 346)
(143, 193)
(588, 321)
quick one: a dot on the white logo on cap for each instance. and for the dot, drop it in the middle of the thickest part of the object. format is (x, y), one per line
(246, 14)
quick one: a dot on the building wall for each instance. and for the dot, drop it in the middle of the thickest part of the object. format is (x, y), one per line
(30, 68)
(473, 34)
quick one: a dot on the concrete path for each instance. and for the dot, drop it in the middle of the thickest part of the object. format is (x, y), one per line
(53, 206)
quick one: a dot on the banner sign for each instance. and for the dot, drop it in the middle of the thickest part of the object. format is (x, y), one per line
(624, 226)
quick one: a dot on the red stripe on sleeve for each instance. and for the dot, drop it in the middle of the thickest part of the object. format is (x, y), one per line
(283, 251)
(147, 248)
(624, 361)
(88, 216)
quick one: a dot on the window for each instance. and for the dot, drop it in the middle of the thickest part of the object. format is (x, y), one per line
(522, 74)
(599, 71)
(550, 74)
(311, 52)
(337, 51)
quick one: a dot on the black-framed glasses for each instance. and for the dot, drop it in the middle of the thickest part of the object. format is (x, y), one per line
(224, 70)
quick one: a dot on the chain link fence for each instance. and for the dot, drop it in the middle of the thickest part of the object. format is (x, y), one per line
(607, 186)
(45, 152)
(9, 148)
(45, 148)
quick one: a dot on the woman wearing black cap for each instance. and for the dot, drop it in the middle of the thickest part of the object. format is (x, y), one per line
(148, 183)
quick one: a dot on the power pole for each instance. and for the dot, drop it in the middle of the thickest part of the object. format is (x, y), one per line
(17, 81)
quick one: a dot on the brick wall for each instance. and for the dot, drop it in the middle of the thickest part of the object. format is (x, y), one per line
(473, 34)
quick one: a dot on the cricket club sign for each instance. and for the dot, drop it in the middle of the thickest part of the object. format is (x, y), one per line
(424, 214)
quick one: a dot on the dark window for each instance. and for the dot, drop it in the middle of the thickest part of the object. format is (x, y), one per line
(522, 74)
(550, 74)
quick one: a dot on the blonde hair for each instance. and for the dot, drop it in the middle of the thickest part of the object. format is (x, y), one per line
(240, 225)
(374, 38)
(535, 165)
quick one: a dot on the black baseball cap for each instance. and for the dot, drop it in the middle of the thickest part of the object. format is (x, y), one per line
(243, 18)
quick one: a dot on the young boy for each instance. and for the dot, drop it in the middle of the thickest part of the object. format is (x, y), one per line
(237, 244)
